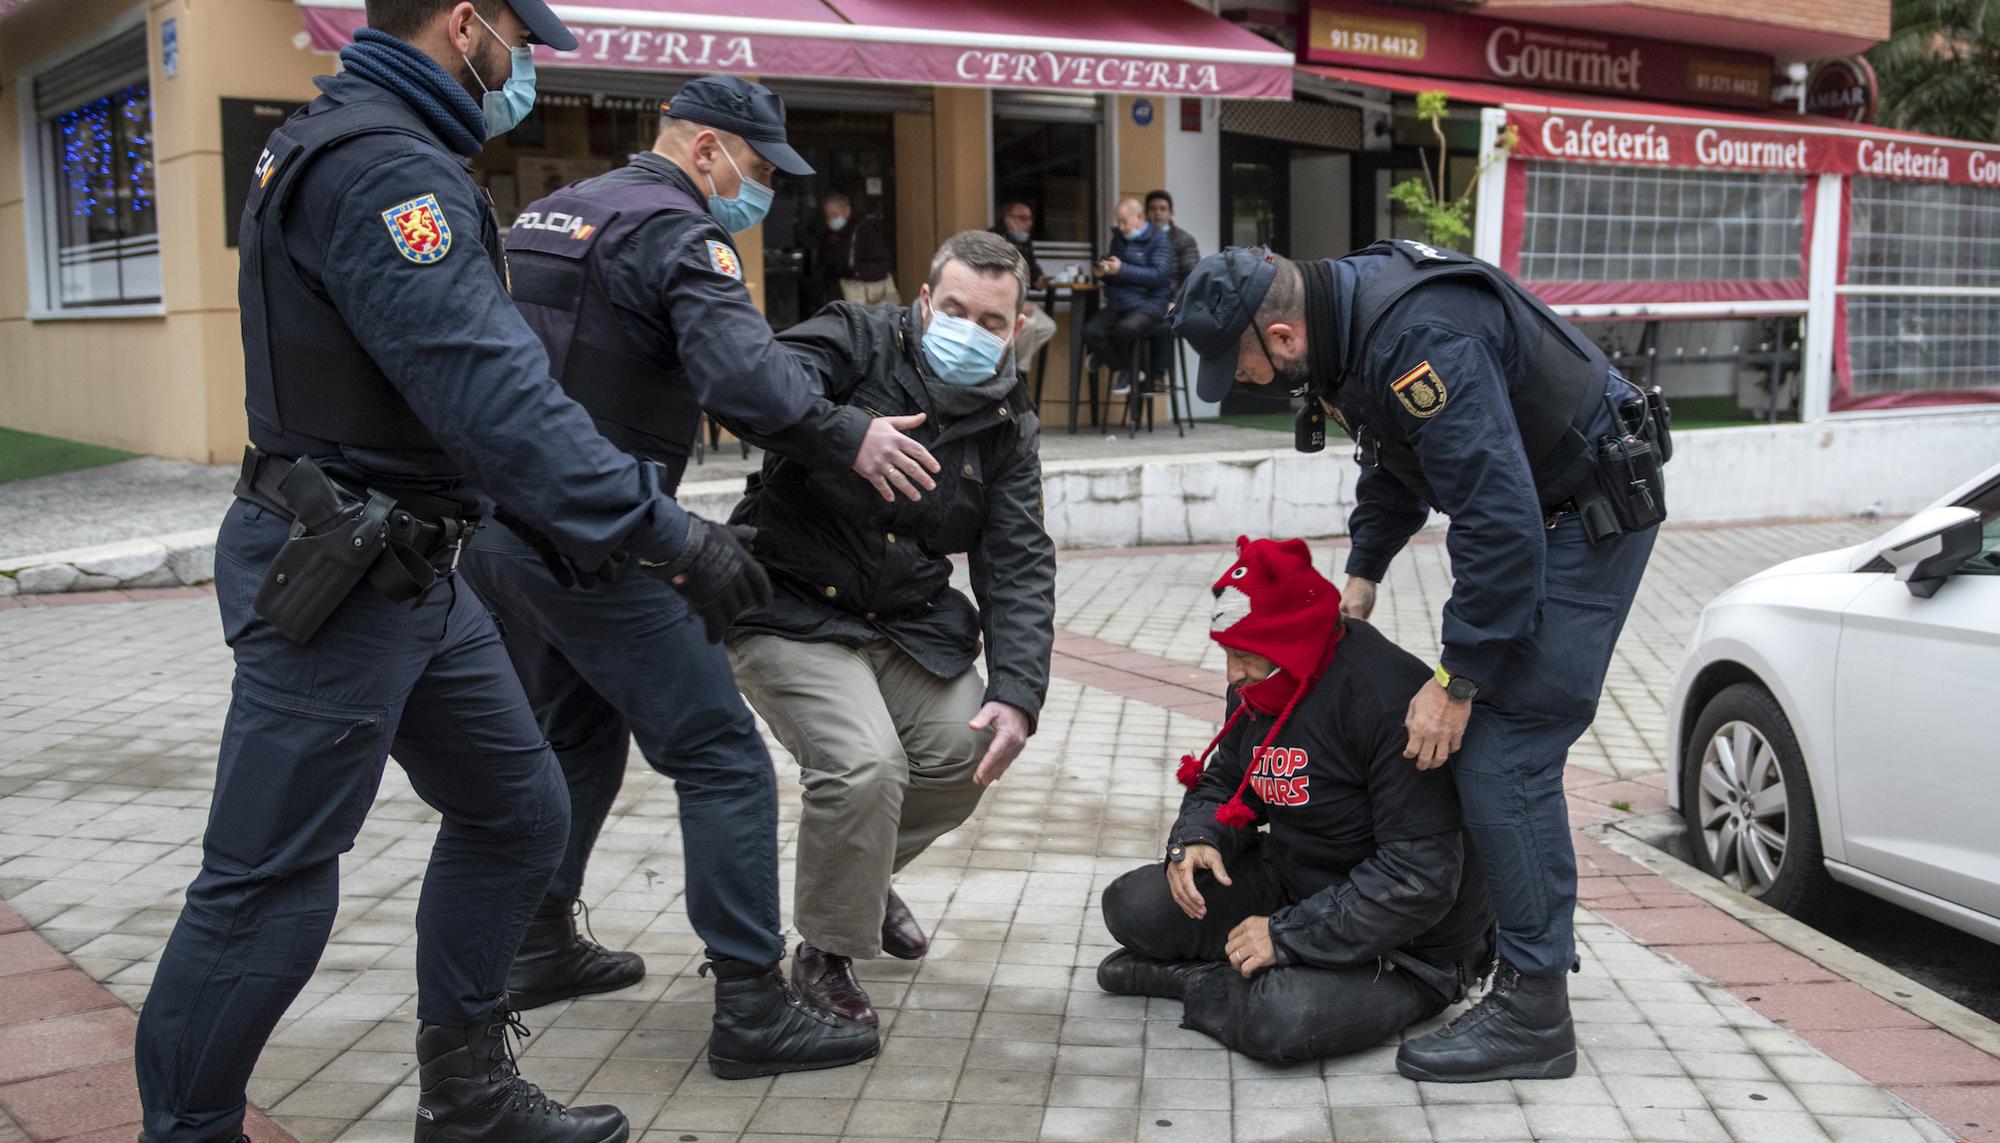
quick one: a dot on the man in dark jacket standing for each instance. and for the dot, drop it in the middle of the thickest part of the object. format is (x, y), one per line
(1187, 252)
(854, 262)
(1362, 911)
(863, 662)
(1138, 276)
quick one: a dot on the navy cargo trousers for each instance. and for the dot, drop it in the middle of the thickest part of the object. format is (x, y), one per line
(605, 662)
(1509, 770)
(308, 731)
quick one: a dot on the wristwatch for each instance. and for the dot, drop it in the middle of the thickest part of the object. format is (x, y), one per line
(1177, 852)
(1460, 688)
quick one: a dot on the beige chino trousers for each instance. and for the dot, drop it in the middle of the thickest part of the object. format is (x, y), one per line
(886, 759)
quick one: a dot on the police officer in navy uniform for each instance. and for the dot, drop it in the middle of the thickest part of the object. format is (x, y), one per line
(632, 281)
(392, 388)
(1465, 395)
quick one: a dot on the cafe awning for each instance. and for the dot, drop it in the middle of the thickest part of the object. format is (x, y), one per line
(1580, 128)
(1094, 46)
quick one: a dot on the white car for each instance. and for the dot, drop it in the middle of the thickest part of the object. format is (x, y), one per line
(1835, 721)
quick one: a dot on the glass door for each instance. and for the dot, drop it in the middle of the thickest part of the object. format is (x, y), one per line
(1256, 191)
(852, 153)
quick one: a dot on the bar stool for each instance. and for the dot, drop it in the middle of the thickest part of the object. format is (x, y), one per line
(1159, 368)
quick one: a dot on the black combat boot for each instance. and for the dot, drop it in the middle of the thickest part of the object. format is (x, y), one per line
(472, 1092)
(1519, 1030)
(555, 963)
(1126, 973)
(762, 1028)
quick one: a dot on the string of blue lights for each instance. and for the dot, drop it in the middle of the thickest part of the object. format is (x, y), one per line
(92, 137)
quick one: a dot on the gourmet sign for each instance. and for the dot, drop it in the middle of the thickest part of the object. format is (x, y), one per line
(1532, 55)
(1595, 137)
(637, 47)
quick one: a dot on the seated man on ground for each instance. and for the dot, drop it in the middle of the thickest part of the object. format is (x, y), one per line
(1361, 911)
(864, 660)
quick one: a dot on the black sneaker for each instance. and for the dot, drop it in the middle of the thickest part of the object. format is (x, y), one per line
(1126, 973)
(555, 963)
(1519, 1030)
(471, 1091)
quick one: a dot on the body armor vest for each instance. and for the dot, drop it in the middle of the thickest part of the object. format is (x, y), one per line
(305, 373)
(1554, 403)
(558, 249)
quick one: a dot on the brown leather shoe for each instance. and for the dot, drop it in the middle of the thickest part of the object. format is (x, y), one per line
(826, 981)
(902, 938)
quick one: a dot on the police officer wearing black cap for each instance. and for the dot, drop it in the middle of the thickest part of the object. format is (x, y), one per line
(632, 281)
(1465, 395)
(392, 388)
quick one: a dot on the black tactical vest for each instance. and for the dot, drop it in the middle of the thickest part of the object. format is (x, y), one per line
(1554, 402)
(305, 374)
(558, 248)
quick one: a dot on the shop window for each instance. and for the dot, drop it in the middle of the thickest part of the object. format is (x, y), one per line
(1601, 223)
(1942, 242)
(1050, 164)
(94, 152)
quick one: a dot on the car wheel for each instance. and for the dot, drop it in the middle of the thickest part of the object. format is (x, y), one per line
(1749, 802)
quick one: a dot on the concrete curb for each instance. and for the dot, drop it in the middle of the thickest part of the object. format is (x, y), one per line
(177, 559)
(1837, 958)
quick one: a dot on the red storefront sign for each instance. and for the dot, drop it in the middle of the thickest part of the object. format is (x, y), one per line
(1531, 55)
(1584, 136)
(641, 46)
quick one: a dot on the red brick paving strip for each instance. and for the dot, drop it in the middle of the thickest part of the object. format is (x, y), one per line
(66, 1050)
(1934, 1071)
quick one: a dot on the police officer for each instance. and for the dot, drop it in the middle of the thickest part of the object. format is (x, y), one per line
(1467, 396)
(391, 386)
(632, 281)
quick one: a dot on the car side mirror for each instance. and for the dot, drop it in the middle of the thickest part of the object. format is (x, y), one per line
(1928, 547)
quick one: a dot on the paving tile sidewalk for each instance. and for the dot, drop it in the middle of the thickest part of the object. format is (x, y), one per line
(109, 715)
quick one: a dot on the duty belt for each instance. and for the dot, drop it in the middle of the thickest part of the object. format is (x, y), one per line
(436, 538)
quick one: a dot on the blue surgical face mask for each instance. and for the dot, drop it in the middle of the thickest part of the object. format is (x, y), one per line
(1138, 230)
(961, 352)
(506, 107)
(749, 206)
(837, 223)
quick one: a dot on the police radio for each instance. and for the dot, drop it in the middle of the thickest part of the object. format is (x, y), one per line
(1630, 495)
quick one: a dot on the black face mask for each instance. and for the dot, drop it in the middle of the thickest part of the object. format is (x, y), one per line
(1287, 381)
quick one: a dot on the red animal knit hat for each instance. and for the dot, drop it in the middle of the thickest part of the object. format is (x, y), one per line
(1270, 602)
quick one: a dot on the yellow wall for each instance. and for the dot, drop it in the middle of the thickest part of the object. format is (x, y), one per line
(172, 384)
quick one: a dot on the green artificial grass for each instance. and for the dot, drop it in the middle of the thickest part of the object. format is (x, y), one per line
(23, 455)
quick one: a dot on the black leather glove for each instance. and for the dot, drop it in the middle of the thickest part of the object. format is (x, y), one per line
(716, 574)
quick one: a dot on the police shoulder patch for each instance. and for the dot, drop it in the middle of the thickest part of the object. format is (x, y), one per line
(419, 229)
(722, 260)
(1421, 391)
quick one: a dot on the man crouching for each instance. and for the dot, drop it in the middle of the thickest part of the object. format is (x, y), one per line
(864, 662)
(1361, 911)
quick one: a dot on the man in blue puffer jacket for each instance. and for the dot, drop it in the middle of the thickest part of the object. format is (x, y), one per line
(1138, 277)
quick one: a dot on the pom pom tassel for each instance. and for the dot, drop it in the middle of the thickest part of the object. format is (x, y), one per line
(1234, 814)
(1190, 771)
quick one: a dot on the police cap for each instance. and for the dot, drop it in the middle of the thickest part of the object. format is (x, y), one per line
(544, 26)
(734, 104)
(1222, 294)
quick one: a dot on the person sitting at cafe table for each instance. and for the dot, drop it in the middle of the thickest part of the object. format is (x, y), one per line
(1138, 277)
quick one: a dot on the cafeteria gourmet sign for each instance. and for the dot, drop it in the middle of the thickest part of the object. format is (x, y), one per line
(1531, 55)
(1587, 137)
(643, 47)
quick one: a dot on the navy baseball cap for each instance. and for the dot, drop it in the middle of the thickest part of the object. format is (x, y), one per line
(544, 27)
(734, 104)
(1220, 297)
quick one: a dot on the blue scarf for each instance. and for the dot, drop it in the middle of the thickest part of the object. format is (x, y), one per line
(385, 60)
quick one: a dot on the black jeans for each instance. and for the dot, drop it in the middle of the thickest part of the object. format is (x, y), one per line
(1283, 1015)
(1113, 334)
(627, 658)
(309, 730)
